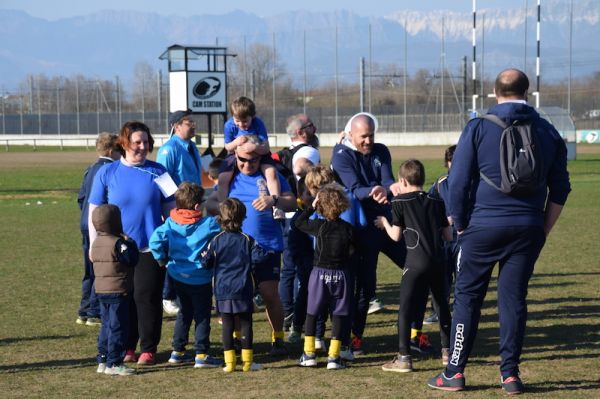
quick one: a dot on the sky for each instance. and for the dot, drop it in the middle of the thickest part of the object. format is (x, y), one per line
(56, 9)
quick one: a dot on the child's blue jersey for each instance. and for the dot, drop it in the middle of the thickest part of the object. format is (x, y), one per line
(257, 127)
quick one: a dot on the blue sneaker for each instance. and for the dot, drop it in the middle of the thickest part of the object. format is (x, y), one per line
(308, 360)
(207, 361)
(180, 357)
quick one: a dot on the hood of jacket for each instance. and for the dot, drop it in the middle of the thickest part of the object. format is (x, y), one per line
(107, 219)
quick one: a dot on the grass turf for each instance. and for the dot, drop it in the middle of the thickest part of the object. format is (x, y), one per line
(44, 353)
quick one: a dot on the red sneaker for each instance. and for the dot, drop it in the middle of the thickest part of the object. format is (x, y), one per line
(357, 346)
(130, 356)
(147, 359)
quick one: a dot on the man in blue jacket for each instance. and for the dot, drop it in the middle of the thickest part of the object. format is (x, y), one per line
(180, 156)
(496, 227)
(365, 168)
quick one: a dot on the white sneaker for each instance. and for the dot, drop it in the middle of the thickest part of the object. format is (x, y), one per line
(278, 214)
(101, 368)
(346, 354)
(375, 306)
(119, 370)
(320, 344)
(170, 307)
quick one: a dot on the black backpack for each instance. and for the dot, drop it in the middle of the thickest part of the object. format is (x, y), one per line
(285, 167)
(520, 158)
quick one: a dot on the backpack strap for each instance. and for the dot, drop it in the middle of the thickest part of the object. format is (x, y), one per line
(499, 122)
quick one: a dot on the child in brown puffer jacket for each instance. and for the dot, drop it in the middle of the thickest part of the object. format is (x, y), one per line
(114, 255)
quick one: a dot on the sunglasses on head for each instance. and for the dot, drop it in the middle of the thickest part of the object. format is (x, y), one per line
(308, 125)
(247, 160)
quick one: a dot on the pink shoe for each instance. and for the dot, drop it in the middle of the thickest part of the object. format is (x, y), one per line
(147, 359)
(130, 356)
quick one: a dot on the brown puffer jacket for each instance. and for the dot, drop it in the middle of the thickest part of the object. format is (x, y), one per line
(112, 276)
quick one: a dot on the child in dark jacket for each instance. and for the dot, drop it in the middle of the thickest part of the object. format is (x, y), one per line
(114, 256)
(233, 254)
(330, 284)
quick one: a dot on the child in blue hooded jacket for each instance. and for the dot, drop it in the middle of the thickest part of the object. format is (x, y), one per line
(178, 244)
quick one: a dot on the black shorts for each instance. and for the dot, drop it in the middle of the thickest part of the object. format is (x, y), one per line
(268, 270)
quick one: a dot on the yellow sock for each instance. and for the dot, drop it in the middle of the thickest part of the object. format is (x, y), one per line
(309, 345)
(247, 358)
(237, 334)
(276, 334)
(334, 348)
(201, 356)
(230, 361)
(414, 333)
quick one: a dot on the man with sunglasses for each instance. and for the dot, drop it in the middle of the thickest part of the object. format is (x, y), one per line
(250, 187)
(180, 156)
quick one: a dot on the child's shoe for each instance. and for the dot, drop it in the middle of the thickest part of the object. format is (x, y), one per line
(278, 348)
(170, 307)
(81, 320)
(147, 359)
(294, 337)
(119, 370)
(207, 361)
(422, 345)
(399, 364)
(308, 360)
(247, 361)
(346, 354)
(179, 357)
(101, 368)
(335, 363)
(230, 361)
(93, 322)
(320, 344)
(357, 346)
(130, 356)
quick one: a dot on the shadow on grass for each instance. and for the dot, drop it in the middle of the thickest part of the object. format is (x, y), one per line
(10, 341)
(49, 364)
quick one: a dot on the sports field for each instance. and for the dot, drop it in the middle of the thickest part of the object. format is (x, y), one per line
(43, 353)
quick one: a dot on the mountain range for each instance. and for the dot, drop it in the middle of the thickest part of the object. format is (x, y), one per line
(110, 43)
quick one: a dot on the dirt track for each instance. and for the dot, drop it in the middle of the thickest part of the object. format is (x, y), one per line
(36, 159)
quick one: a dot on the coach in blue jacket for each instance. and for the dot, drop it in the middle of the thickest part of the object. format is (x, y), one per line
(496, 227)
(365, 168)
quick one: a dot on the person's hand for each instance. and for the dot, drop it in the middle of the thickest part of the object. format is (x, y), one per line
(314, 203)
(379, 222)
(379, 194)
(240, 140)
(263, 202)
(395, 188)
(248, 147)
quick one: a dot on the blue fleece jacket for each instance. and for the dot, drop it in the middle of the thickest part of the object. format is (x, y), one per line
(181, 245)
(474, 202)
(359, 173)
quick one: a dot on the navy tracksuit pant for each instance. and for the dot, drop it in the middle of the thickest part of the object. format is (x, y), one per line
(516, 249)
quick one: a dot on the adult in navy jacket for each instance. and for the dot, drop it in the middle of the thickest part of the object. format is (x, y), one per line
(365, 168)
(496, 227)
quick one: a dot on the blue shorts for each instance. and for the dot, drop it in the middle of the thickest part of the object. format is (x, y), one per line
(329, 289)
(268, 270)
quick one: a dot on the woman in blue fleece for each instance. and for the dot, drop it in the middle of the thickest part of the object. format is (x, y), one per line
(178, 244)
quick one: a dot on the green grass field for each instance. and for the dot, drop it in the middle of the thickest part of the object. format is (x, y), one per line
(43, 353)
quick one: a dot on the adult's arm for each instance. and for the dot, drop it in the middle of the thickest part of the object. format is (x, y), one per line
(212, 204)
(286, 202)
(551, 215)
(460, 180)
